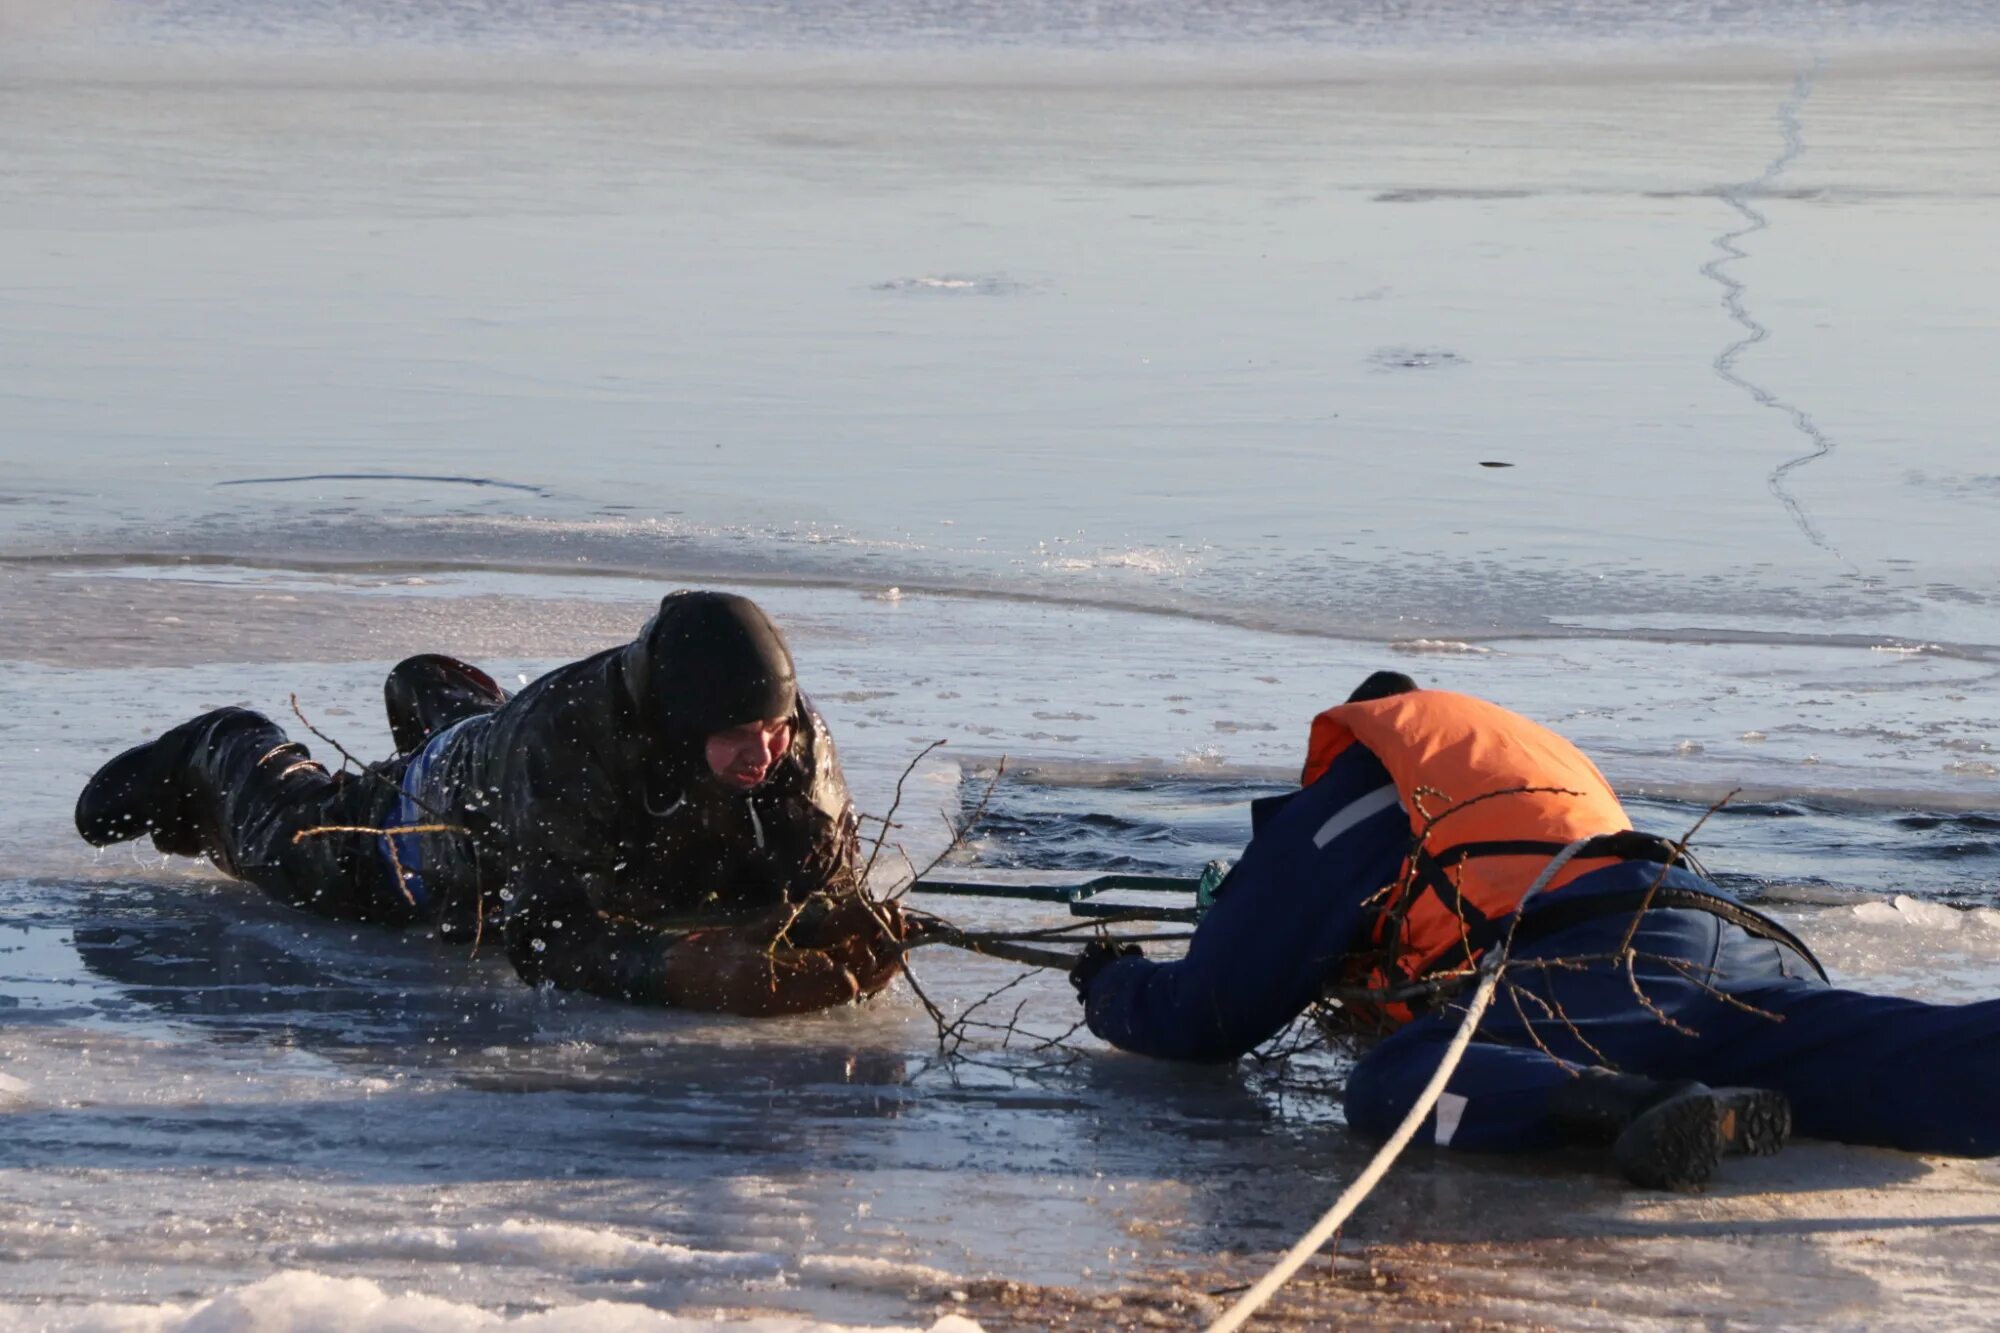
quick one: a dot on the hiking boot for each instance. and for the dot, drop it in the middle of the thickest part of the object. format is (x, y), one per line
(429, 692)
(145, 789)
(1671, 1136)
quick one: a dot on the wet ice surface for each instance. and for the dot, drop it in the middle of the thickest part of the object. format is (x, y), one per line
(210, 1088)
(1078, 695)
(205, 1089)
(400, 317)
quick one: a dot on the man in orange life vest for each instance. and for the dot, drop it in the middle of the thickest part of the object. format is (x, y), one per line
(1681, 1027)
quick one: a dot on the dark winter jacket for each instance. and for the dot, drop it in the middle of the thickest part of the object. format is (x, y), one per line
(593, 824)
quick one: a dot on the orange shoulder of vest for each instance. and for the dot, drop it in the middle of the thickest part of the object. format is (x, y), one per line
(1340, 726)
(1463, 747)
(1329, 737)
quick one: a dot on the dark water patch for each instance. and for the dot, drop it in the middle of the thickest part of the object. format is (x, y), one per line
(1955, 850)
(1772, 801)
(1052, 839)
(1748, 888)
(1794, 850)
(1764, 809)
(1163, 826)
(1965, 836)
(1970, 822)
(243, 969)
(1432, 195)
(387, 476)
(1414, 358)
(1834, 846)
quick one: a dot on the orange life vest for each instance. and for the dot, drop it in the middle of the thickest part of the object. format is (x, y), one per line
(1490, 796)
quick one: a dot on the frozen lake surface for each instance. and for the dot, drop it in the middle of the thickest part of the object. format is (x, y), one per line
(1107, 392)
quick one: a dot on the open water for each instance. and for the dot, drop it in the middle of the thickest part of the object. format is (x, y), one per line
(1105, 388)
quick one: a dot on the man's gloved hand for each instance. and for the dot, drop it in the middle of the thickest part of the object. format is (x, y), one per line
(1098, 955)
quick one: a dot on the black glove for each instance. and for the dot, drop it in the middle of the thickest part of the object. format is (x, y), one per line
(1098, 955)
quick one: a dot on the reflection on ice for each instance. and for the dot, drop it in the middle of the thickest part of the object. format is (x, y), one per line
(202, 1045)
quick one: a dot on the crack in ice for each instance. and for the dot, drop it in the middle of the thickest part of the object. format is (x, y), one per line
(1755, 332)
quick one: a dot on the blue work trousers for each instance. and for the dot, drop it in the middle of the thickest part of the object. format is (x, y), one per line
(1720, 1006)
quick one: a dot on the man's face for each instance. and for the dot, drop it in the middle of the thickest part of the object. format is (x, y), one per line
(741, 757)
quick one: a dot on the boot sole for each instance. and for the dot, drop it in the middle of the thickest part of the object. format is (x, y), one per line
(1678, 1144)
(1675, 1145)
(1754, 1122)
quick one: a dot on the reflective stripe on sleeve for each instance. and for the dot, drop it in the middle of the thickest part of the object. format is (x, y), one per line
(1356, 810)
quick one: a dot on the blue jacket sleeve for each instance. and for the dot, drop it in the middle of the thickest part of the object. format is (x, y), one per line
(1288, 913)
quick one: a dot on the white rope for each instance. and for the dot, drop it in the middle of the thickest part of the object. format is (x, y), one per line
(1350, 1198)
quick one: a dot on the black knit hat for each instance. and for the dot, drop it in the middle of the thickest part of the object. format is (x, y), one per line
(709, 661)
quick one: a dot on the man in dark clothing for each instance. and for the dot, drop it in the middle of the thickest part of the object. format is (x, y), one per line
(664, 822)
(1637, 989)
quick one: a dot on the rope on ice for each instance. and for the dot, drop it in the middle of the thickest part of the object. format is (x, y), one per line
(1385, 1157)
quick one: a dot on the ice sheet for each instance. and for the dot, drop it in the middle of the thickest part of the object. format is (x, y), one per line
(1348, 336)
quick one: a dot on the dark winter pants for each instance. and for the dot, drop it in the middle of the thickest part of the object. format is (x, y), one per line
(249, 791)
(1733, 1010)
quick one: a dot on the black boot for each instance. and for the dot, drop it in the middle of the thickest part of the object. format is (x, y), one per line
(1670, 1136)
(427, 693)
(148, 788)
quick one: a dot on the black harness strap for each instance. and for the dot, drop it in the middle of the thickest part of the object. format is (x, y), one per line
(1482, 933)
(1479, 931)
(1626, 845)
(1466, 851)
(1562, 913)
